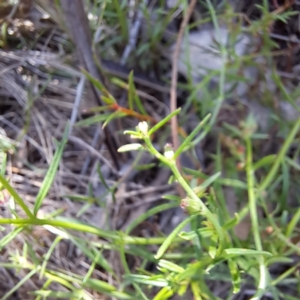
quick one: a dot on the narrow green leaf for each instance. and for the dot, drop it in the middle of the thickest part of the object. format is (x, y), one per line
(48, 180)
(149, 213)
(139, 104)
(101, 177)
(144, 167)
(164, 121)
(241, 251)
(101, 285)
(187, 141)
(48, 255)
(170, 266)
(279, 260)
(48, 294)
(143, 47)
(3, 158)
(120, 83)
(286, 94)
(164, 294)
(133, 96)
(115, 115)
(232, 183)
(92, 268)
(83, 198)
(130, 147)
(207, 182)
(108, 98)
(93, 120)
(98, 108)
(195, 287)
(105, 288)
(265, 161)
(188, 236)
(165, 245)
(212, 248)
(93, 254)
(293, 223)
(10, 236)
(32, 254)
(222, 181)
(280, 157)
(19, 284)
(235, 275)
(233, 129)
(203, 232)
(144, 279)
(285, 185)
(15, 195)
(292, 163)
(172, 197)
(122, 18)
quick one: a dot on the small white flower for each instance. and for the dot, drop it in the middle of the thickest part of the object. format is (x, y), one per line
(143, 127)
(169, 153)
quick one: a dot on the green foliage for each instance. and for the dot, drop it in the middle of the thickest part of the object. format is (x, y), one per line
(204, 247)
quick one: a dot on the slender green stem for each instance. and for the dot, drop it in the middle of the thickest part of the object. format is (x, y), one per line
(155, 152)
(254, 219)
(127, 271)
(270, 176)
(15, 195)
(19, 284)
(117, 237)
(205, 211)
(285, 275)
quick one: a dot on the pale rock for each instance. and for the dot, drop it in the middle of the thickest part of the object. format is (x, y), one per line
(200, 55)
(200, 51)
(172, 3)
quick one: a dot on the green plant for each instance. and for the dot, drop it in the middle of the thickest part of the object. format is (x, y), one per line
(211, 232)
(204, 248)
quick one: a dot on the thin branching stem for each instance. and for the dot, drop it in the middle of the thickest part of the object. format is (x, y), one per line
(204, 209)
(254, 218)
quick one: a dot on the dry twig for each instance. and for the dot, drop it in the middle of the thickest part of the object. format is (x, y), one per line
(77, 22)
(173, 90)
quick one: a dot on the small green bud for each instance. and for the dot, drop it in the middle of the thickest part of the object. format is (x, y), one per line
(190, 205)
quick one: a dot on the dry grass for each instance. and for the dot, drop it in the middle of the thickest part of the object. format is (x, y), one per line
(38, 87)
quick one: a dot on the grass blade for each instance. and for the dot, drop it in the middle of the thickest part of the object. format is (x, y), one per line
(48, 180)
(187, 140)
(164, 121)
(271, 175)
(15, 195)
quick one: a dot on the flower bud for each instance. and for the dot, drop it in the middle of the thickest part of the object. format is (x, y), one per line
(169, 153)
(190, 205)
(143, 127)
